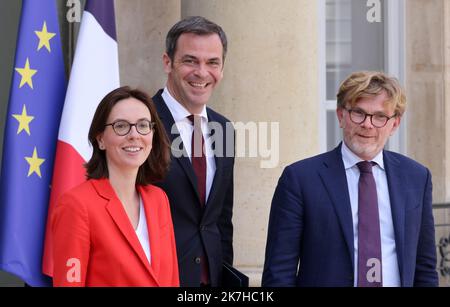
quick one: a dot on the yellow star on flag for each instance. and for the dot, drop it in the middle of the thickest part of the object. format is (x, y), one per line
(26, 74)
(44, 37)
(35, 163)
(24, 120)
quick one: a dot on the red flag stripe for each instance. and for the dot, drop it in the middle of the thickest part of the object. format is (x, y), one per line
(67, 161)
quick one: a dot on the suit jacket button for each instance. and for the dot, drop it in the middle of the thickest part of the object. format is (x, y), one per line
(198, 260)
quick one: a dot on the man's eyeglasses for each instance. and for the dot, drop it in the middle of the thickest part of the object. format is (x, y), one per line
(359, 116)
(122, 127)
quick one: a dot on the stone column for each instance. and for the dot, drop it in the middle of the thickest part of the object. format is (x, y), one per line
(425, 86)
(271, 76)
(142, 26)
(428, 96)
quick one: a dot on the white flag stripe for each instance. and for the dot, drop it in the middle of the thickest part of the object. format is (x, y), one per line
(95, 72)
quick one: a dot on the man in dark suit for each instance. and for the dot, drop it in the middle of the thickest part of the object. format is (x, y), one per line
(200, 180)
(357, 215)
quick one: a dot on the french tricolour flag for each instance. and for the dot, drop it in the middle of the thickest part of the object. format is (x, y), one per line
(95, 72)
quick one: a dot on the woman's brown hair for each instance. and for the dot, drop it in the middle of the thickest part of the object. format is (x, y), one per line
(156, 166)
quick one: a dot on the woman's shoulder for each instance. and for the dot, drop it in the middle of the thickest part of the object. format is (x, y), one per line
(72, 202)
(80, 198)
(81, 189)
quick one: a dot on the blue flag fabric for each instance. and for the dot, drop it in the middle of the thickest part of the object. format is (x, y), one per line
(35, 104)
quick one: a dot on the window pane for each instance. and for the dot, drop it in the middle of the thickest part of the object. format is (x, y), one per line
(352, 43)
(334, 133)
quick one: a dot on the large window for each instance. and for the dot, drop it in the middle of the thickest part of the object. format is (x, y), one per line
(357, 35)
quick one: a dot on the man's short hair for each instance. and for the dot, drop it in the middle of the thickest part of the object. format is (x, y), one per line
(368, 84)
(197, 25)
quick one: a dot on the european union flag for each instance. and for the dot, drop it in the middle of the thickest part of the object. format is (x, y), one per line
(34, 111)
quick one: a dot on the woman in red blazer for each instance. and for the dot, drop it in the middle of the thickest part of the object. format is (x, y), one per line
(116, 229)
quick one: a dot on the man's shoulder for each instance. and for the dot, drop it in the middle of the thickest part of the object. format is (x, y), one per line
(161, 108)
(158, 93)
(157, 97)
(315, 162)
(215, 116)
(404, 162)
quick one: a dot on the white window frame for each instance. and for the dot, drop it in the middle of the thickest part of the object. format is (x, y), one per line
(394, 65)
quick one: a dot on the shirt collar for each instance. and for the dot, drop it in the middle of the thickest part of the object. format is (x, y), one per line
(350, 159)
(179, 112)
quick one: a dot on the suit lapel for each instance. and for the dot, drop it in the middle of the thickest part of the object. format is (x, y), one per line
(120, 218)
(335, 182)
(219, 167)
(216, 181)
(178, 154)
(396, 183)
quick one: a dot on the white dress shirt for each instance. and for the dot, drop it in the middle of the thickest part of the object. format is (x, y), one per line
(390, 270)
(185, 127)
(142, 231)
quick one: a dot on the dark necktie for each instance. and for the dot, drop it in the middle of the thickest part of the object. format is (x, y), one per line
(198, 158)
(198, 161)
(369, 241)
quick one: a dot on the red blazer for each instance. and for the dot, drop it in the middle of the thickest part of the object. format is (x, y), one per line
(96, 245)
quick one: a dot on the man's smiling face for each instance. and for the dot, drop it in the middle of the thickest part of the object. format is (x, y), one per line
(195, 71)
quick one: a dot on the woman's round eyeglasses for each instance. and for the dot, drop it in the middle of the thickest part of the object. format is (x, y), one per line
(123, 127)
